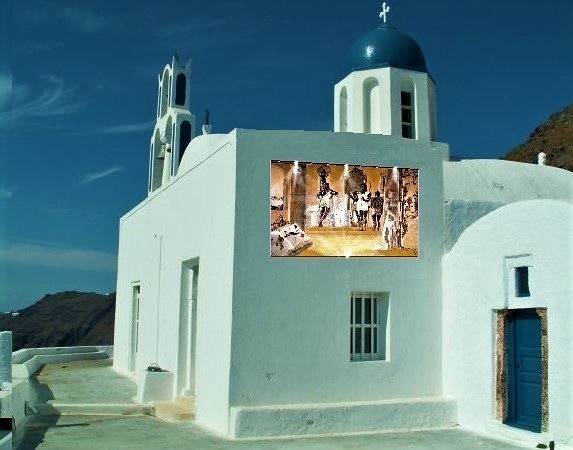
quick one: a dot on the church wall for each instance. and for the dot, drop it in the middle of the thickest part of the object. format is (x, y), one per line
(291, 315)
(478, 282)
(192, 217)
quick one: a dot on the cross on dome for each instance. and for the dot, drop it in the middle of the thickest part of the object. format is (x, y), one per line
(385, 10)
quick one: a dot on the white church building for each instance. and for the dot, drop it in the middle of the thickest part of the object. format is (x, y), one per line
(457, 308)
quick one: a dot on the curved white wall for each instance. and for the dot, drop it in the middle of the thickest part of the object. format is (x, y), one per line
(476, 281)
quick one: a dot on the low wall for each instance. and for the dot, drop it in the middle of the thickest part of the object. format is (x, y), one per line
(5, 440)
(5, 352)
(360, 417)
(22, 355)
(26, 362)
(5, 390)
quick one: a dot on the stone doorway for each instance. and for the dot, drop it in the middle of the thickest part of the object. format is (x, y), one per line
(501, 408)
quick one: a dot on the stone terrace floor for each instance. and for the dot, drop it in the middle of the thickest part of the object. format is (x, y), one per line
(95, 382)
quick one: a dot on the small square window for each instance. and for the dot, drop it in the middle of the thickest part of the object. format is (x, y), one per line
(368, 326)
(522, 281)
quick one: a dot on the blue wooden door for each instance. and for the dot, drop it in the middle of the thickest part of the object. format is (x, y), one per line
(524, 370)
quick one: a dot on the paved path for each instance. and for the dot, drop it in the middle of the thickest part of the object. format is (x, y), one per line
(91, 381)
(145, 432)
(96, 382)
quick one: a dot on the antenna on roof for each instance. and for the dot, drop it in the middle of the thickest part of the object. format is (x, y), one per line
(207, 126)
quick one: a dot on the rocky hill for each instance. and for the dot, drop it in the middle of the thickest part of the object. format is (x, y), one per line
(63, 319)
(554, 137)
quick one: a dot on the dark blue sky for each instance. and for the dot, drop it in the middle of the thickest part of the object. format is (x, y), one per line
(78, 92)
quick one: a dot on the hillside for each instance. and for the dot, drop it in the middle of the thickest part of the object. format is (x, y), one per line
(63, 319)
(554, 137)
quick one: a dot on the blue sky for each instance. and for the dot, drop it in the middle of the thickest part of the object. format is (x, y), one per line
(78, 92)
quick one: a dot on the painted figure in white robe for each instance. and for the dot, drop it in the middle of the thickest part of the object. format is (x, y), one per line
(391, 221)
(362, 205)
(325, 202)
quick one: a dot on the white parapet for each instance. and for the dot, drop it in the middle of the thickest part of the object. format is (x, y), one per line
(5, 359)
(26, 362)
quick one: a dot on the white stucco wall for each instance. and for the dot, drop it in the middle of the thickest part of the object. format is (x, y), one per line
(5, 358)
(191, 217)
(505, 181)
(291, 315)
(474, 188)
(476, 282)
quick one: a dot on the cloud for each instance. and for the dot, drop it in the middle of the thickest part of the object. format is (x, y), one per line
(6, 193)
(126, 128)
(53, 98)
(82, 20)
(97, 175)
(78, 19)
(202, 33)
(35, 47)
(5, 91)
(119, 129)
(193, 26)
(59, 256)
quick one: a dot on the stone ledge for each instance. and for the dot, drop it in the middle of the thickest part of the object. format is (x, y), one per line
(360, 417)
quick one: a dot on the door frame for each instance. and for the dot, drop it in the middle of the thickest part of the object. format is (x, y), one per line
(501, 365)
(185, 385)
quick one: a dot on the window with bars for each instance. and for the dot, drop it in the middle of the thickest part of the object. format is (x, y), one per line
(368, 326)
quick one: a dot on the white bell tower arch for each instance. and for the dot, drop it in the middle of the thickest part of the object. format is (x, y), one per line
(175, 123)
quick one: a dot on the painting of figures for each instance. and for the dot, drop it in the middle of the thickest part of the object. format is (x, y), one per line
(324, 209)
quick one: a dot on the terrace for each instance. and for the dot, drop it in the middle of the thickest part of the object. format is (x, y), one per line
(72, 398)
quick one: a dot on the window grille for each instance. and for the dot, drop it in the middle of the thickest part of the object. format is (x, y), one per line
(368, 326)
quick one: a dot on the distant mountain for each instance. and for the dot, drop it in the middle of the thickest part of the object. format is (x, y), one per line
(63, 319)
(554, 137)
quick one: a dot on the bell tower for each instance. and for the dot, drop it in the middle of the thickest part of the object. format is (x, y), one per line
(387, 89)
(174, 126)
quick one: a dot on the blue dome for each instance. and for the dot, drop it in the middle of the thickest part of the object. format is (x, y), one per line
(385, 47)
